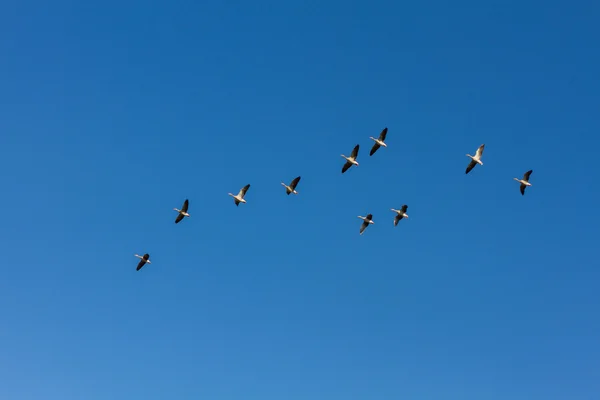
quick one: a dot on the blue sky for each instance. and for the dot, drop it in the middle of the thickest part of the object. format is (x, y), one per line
(112, 113)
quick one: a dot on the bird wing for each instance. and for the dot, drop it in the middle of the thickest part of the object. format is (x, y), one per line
(140, 265)
(404, 208)
(186, 204)
(146, 257)
(471, 165)
(479, 151)
(179, 218)
(375, 147)
(383, 134)
(354, 153)
(369, 217)
(243, 191)
(397, 219)
(522, 188)
(363, 227)
(346, 166)
(527, 175)
(295, 182)
(236, 201)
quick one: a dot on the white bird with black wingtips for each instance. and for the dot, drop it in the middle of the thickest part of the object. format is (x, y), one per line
(292, 187)
(368, 220)
(379, 142)
(401, 213)
(476, 159)
(183, 212)
(350, 161)
(524, 182)
(239, 198)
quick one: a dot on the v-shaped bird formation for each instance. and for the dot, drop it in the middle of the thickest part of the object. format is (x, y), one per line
(350, 161)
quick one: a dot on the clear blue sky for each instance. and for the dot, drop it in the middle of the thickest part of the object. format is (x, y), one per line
(112, 113)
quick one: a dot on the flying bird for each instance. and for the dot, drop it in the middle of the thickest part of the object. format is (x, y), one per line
(525, 181)
(292, 187)
(350, 161)
(476, 159)
(145, 259)
(378, 142)
(183, 212)
(401, 213)
(366, 222)
(239, 198)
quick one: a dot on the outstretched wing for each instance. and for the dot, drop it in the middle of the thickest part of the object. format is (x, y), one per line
(179, 218)
(243, 191)
(522, 188)
(236, 201)
(527, 175)
(295, 183)
(346, 166)
(369, 217)
(375, 147)
(404, 208)
(383, 134)
(363, 227)
(146, 257)
(479, 151)
(354, 153)
(471, 165)
(186, 204)
(397, 219)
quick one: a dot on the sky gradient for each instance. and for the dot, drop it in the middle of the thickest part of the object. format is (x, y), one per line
(112, 113)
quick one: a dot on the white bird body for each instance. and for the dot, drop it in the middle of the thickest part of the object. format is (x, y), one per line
(521, 181)
(289, 189)
(182, 212)
(379, 142)
(351, 160)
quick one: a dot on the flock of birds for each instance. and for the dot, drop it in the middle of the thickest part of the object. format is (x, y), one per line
(350, 161)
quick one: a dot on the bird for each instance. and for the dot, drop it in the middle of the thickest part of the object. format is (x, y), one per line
(378, 142)
(143, 260)
(366, 222)
(350, 161)
(525, 181)
(183, 212)
(239, 198)
(401, 213)
(292, 187)
(476, 159)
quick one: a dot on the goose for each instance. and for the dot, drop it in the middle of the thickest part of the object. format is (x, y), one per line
(350, 161)
(366, 222)
(292, 187)
(525, 181)
(143, 260)
(401, 213)
(476, 159)
(239, 198)
(183, 212)
(378, 142)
